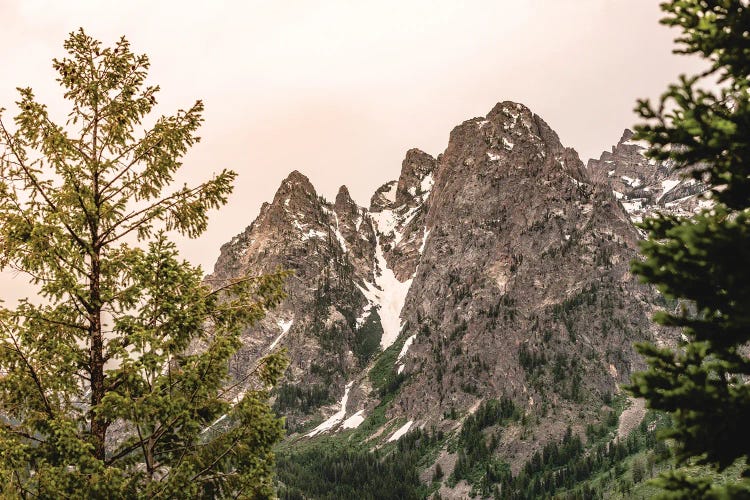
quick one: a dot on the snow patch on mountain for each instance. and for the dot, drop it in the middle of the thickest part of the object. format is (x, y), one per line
(354, 421)
(366, 311)
(391, 222)
(640, 144)
(403, 352)
(215, 422)
(424, 240)
(390, 195)
(385, 221)
(401, 431)
(667, 185)
(336, 418)
(308, 233)
(285, 326)
(337, 232)
(388, 295)
(427, 183)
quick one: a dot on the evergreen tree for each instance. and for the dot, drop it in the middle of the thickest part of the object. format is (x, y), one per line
(115, 385)
(703, 124)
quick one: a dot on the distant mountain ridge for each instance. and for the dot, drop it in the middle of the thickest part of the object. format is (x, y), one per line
(643, 185)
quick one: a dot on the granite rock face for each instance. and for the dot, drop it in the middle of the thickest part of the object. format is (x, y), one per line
(499, 268)
(524, 271)
(329, 248)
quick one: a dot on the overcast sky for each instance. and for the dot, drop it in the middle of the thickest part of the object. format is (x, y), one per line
(339, 90)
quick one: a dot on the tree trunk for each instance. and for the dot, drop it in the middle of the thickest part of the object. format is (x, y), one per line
(98, 424)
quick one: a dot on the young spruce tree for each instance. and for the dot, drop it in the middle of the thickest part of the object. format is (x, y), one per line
(115, 386)
(704, 261)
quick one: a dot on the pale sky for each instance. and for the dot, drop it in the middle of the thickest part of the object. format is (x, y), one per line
(339, 90)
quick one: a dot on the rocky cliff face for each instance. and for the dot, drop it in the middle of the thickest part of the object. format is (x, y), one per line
(498, 269)
(522, 288)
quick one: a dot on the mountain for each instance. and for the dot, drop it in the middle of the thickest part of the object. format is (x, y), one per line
(491, 280)
(645, 186)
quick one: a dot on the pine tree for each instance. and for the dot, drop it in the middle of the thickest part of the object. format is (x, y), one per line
(115, 384)
(703, 124)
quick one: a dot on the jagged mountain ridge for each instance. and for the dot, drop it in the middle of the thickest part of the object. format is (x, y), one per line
(645, 186)
(503, 249)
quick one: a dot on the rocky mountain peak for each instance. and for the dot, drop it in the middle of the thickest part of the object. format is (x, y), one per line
(627, 134)
(484, 153)
(295, 209)
(295, 204)
(344, 203)
(296, 178)
(415, 178)
(519, 120)
(629, 148)
(506, 136)
(295, 187)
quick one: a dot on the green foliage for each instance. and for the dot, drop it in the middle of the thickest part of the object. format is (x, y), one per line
(599, 469)
(327, 471)
(475, 462)
(702, 261)
(383, 375)
(345, 466)
(114, 386)
(301, 398)
(529, 360)
(367, 338)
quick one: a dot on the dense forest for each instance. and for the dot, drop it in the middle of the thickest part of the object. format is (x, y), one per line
(598, 465)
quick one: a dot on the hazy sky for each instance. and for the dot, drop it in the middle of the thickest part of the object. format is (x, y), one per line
(339, 90)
